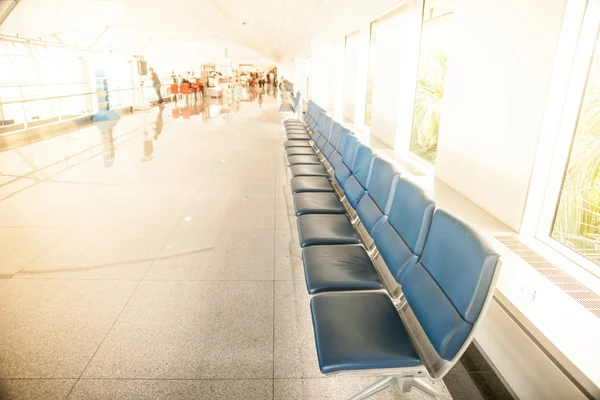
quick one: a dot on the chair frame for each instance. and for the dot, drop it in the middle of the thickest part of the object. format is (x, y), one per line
(404, 378)
(412, 377)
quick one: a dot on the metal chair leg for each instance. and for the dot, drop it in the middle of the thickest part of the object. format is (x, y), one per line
(426, 388)
(378, 386)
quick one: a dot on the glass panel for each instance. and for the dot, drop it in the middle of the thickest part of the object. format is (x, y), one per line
(370, 75)
(577, 219)
(435, 38)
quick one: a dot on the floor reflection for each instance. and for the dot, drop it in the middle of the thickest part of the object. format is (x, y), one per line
(28, 165)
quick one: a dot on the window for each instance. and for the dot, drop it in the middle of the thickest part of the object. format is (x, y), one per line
(577, 218)
(429, 95)
(370, 75)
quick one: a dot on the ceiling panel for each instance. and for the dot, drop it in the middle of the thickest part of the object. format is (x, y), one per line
(276, 29)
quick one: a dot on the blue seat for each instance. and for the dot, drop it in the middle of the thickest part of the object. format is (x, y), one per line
(308, 170)
(317, 203)
(346, 143)
(329, 147)
(339, 268)
(296, 143)
(292, 151)
(320, 229)
(399, 239)
(355, 184)
(445, 293)
(325, 132)
(301, 184)
(381, 185)
(360, 331)
(303, 159)
(298, 136)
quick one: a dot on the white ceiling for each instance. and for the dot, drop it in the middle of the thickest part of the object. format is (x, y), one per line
(277, 30)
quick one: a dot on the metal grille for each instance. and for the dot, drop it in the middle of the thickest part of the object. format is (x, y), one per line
(572, 287)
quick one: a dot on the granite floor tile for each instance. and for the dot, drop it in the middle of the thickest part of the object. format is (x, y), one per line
(285, 216)
(187, 254)
(20, 246)
(288, 256)
(35, 389)
(295, 352)
(191, 330)
(99, 253)
(51, 328)
(250, 214)
(243, 255)
(92, 389)
(339, 389)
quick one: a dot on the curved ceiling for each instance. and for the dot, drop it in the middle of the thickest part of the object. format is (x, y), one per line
(278, 30)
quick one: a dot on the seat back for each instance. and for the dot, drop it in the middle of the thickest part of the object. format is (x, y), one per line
(335, 159)
(297, 101)
(349, 152)
(329, 147)
(340, 164)
(325, 133)
(310, 116)
(355, 186)
(447, 291)
(174, 88)
(381, 185)
(314, 116)
(341, 142)
(401, 236)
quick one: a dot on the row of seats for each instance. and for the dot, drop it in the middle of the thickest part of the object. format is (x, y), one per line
(289, 103)
(361, 225)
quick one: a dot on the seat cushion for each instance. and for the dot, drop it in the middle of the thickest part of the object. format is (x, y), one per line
(296, 143)
(298, 136)
(301, 184)
(308, 170)
(337, 268)
(295, 129)
(299, 150)
(317, 203)
(360, 331)
(286, 107)
(303, 159)
(316, 229)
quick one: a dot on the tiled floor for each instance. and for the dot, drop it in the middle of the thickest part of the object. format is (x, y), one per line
(176, 275)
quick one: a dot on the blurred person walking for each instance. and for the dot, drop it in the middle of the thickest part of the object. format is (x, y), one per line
(156, 84)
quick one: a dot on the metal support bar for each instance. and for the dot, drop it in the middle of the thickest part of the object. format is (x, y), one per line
(426, 388)
(91, 46)
(405, 383)
(10, 9)
(65, 45)
(378, 386)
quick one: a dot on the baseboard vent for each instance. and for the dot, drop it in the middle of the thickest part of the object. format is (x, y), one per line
(572, 287)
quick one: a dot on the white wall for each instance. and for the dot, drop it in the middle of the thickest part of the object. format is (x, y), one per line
(350, 75)
(496, 88)
(321, 65)
(337, 77)
(411, 32)
(300, 74)
(388, 76)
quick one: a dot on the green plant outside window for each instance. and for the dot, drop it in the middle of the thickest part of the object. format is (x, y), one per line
(577, 219)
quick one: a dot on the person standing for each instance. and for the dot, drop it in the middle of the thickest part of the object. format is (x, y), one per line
(156, 84)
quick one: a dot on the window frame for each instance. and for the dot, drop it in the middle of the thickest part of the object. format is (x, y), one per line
(422, 163)
(589, 35)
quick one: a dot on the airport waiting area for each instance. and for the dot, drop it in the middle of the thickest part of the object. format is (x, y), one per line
(299, 200)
